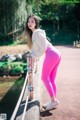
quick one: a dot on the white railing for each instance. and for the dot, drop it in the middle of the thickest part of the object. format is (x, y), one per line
(27, 83)
(20, 98)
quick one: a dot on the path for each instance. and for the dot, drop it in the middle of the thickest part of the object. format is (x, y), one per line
(68, 81)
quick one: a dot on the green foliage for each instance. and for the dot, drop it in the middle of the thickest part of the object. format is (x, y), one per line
(56, 11)
(63, 19)
(13, 16)
(61, 1)
(64, 38)
(17, 70)
(12, 68)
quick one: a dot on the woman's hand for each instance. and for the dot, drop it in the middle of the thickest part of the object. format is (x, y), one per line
(28, 54)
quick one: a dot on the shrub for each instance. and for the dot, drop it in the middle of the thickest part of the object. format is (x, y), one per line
(16, 70)
(12, 68)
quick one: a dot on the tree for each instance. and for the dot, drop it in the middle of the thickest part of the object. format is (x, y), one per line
(56, 12)
(13, 15)
(76, 11)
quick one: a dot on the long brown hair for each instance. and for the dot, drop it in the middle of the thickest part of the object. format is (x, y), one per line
(29, 32)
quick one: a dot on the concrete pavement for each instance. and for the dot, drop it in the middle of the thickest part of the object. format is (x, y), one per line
(68, 89)
(68, 84)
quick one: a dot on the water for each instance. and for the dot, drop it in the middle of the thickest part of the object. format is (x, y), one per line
(10, 90)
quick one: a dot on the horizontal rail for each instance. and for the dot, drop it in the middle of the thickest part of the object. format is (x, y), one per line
(20, 98)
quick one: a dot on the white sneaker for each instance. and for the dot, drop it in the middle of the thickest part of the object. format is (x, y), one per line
(45, 105)
(52, 105)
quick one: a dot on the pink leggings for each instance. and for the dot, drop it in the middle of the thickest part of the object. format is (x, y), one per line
(49, 70)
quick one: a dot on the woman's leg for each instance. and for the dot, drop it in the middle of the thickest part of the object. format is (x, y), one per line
(45, 76)
(52, 77)
(49, 64)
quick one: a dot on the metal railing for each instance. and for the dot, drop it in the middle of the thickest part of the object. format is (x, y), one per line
(27, 83)
(20, 98)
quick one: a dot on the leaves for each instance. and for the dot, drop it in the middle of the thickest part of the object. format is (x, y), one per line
(12, 68)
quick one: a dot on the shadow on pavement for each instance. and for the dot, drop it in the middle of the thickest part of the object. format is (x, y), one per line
(30, 105)
(45, 113)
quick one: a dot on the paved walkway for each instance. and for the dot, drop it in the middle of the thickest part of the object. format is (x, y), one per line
(68, 82)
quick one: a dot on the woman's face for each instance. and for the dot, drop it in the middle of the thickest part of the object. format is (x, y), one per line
(31, 23)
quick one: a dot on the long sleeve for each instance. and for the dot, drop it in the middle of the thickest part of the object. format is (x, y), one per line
(39, 43)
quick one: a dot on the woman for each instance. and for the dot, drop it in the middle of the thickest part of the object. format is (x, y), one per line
(38, 45)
